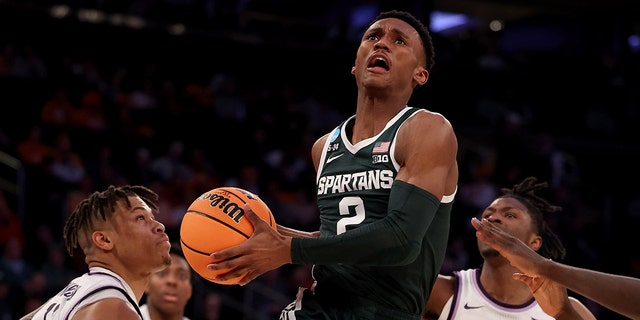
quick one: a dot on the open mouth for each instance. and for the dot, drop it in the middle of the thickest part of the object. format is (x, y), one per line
(379, 62)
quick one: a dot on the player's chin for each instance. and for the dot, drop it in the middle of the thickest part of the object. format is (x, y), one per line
(163, 246)
(166, 261)
(487, 251)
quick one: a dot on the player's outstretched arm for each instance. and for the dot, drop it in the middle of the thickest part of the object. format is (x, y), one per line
(615, 292)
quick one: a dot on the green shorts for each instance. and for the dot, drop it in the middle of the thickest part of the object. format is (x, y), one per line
(308, 306)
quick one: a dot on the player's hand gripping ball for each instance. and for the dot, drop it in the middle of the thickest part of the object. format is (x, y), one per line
(215, 221)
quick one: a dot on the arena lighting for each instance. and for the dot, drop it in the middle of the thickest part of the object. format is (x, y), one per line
(97, 16)
(177, 29)
(134, 22)
(116, 19)
(91, 15)
(59, 11)
(496, 25)
(634, 43)
(445, 22)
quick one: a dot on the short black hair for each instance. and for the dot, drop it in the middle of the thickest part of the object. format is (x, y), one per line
(425, 36)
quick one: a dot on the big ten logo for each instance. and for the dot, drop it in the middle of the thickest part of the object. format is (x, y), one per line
(380, 158)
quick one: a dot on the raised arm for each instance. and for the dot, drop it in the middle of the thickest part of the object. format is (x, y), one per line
(618, 293)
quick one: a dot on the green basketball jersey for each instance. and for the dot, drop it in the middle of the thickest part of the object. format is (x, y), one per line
(353, 187)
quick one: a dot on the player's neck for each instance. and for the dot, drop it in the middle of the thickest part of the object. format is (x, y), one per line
(155, 314)
(136, 280)
(500, 285)
(372, 115)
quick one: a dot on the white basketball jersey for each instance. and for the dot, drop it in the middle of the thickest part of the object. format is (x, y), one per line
(97, 284)
(144, 310)
(471, 302)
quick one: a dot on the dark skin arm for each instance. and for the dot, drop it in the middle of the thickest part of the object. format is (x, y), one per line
(615, 292)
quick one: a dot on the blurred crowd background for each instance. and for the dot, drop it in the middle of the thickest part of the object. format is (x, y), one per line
(184, 96)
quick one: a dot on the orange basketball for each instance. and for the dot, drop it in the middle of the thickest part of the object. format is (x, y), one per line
(215, 221)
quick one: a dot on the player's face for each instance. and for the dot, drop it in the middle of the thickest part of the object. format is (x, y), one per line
(511, 216)
(390, 55)
(169, 290)
(139, 239)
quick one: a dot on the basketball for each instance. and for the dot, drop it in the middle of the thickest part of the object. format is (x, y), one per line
(215, 221)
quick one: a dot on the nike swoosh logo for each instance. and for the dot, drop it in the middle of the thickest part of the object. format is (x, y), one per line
(468, 307)
(334, 157)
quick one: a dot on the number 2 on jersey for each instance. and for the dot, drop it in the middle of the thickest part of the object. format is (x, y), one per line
(345, 204)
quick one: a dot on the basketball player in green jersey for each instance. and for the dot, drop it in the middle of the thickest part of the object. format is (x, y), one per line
(386, 181)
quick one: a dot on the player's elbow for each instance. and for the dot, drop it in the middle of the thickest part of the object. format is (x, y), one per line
(411, 251)
(401, 255)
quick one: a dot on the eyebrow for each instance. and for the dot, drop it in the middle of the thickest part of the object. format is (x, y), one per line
(509, 208)
(392, 30)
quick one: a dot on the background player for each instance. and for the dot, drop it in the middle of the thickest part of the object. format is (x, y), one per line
(123, 244)
(490, 292)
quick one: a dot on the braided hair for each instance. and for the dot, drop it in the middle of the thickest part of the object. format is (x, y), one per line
(100, 206)
(525, 192)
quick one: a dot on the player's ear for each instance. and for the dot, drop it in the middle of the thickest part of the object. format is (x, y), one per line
(353, 70)
(102, 240)
(535, 242)
(421, 76)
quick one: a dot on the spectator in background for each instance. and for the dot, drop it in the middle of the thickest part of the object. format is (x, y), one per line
(17, 272)
(172, 164)
(10, 224)
(33, 150)
(55, 270)
(67, 165)
(91, 116)
(7, 311)
(213, 306)
(58, 111)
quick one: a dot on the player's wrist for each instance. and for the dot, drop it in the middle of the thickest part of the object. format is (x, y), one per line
(567, 312)
(544, 267)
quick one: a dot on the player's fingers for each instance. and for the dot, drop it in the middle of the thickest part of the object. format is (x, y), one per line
(482, 229)
(220, 265)
(226, 255)
(533, 282)
(247, 278)
(252, 216)
(520, 276)
(476, 223)
(232, 274)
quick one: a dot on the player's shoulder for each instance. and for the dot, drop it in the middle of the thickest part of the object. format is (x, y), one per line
(425, 123)
(425, 115)
(106, 308)
(582, 309)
